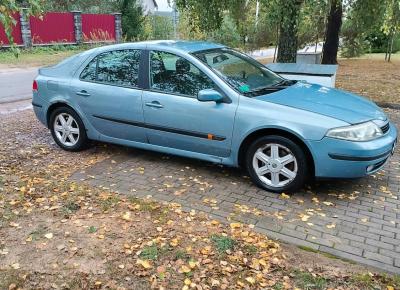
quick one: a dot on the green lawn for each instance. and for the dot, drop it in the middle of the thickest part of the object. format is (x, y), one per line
(380, 56)
(38, 56)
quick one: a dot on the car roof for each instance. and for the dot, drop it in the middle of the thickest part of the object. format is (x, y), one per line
(178, 45)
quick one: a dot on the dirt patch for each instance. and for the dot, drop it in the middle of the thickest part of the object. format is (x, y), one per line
(373, 78)
(64, 235)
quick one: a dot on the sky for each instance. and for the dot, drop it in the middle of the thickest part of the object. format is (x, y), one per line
(163, 5)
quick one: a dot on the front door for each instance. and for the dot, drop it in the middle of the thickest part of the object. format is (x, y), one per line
(108, 93)
(173, 115)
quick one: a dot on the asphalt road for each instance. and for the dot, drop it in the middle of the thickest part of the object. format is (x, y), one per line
(16, 84)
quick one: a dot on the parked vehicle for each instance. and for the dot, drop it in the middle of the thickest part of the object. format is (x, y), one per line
(207, 101)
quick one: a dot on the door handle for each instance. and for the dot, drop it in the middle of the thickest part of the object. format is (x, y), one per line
(83, 93)
(154, 104)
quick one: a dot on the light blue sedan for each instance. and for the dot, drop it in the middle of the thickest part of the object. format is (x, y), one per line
(207, 101)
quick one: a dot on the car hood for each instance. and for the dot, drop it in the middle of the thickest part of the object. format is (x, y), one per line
(326, 101)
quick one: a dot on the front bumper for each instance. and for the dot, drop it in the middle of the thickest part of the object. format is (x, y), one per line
(336, 158)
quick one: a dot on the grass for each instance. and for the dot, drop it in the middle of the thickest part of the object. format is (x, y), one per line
(223, 243)
(307, 281)
(39, 56)
(92, 229)
(379, 56)
(108, 203)
(182, 255)
(70, 207)
(38, 233)
(150, 253)
(146, 205)
(328, 255)
(367, 281)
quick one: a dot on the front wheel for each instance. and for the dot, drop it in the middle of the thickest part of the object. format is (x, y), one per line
(277, 164)
(67, 129)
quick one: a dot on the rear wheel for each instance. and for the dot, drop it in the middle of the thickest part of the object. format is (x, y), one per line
(67, 129)
(277, 164)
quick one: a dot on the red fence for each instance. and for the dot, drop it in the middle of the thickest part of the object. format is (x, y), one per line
(53, 27)
(58, 27)
(98, 27)
(16, 32)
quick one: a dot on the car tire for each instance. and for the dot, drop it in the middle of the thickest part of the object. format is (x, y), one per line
(277, 164)
(67, 129)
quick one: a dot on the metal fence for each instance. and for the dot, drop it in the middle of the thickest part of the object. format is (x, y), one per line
(63, 28)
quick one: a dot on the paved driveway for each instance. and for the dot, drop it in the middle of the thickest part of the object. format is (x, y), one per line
(356, 219)
(16, 84)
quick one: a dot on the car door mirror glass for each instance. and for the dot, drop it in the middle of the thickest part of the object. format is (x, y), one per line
(209, 95)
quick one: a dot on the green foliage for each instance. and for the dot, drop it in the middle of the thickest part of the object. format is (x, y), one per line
(228, 33)
(86, 6)
(149, 253)
(223, 243)
(378, 41)
(7, 10)
(308, 281)
(159, 27)
(206, 15)
(132, 19)
(312, 21)
(362, 17)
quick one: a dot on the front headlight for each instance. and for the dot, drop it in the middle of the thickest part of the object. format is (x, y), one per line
(360, 132)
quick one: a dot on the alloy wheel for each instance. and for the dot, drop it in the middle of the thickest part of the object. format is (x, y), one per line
(66, 129)
(275, 165)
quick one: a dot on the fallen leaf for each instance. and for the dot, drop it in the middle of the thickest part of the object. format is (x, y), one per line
(48, 236)
(144, 263)
(251, 280)
(284, 196)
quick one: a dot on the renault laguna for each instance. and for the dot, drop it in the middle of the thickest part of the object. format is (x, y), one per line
(207, 101)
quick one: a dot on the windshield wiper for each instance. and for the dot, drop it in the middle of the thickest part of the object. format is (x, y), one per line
(271, 89)
(285, 82)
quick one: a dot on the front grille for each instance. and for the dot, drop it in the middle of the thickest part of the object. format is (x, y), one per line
(385, 128)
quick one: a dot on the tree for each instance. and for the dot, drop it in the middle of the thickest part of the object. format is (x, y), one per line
(287, 44)
(206, 15)
(362, 18)
(391, 25)
(312, 22)
(7, 10)
(132, 19)
(334, 24)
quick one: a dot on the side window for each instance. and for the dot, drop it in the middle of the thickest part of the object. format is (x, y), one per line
(173, 74)
(89, 73)
(120, 68)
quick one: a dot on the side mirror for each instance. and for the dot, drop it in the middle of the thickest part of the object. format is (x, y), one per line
(209, 95)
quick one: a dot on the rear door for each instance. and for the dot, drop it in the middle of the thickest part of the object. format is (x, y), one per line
(108, 93)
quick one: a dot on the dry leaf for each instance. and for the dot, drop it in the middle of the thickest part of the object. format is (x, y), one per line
(48, 236)
(144, 263)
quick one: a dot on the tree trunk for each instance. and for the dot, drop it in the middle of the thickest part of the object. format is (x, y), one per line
(287, 44)
(331, 45)
(391, 47)
(276, 43)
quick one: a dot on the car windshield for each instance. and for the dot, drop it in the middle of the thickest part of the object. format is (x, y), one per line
(241, 72)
